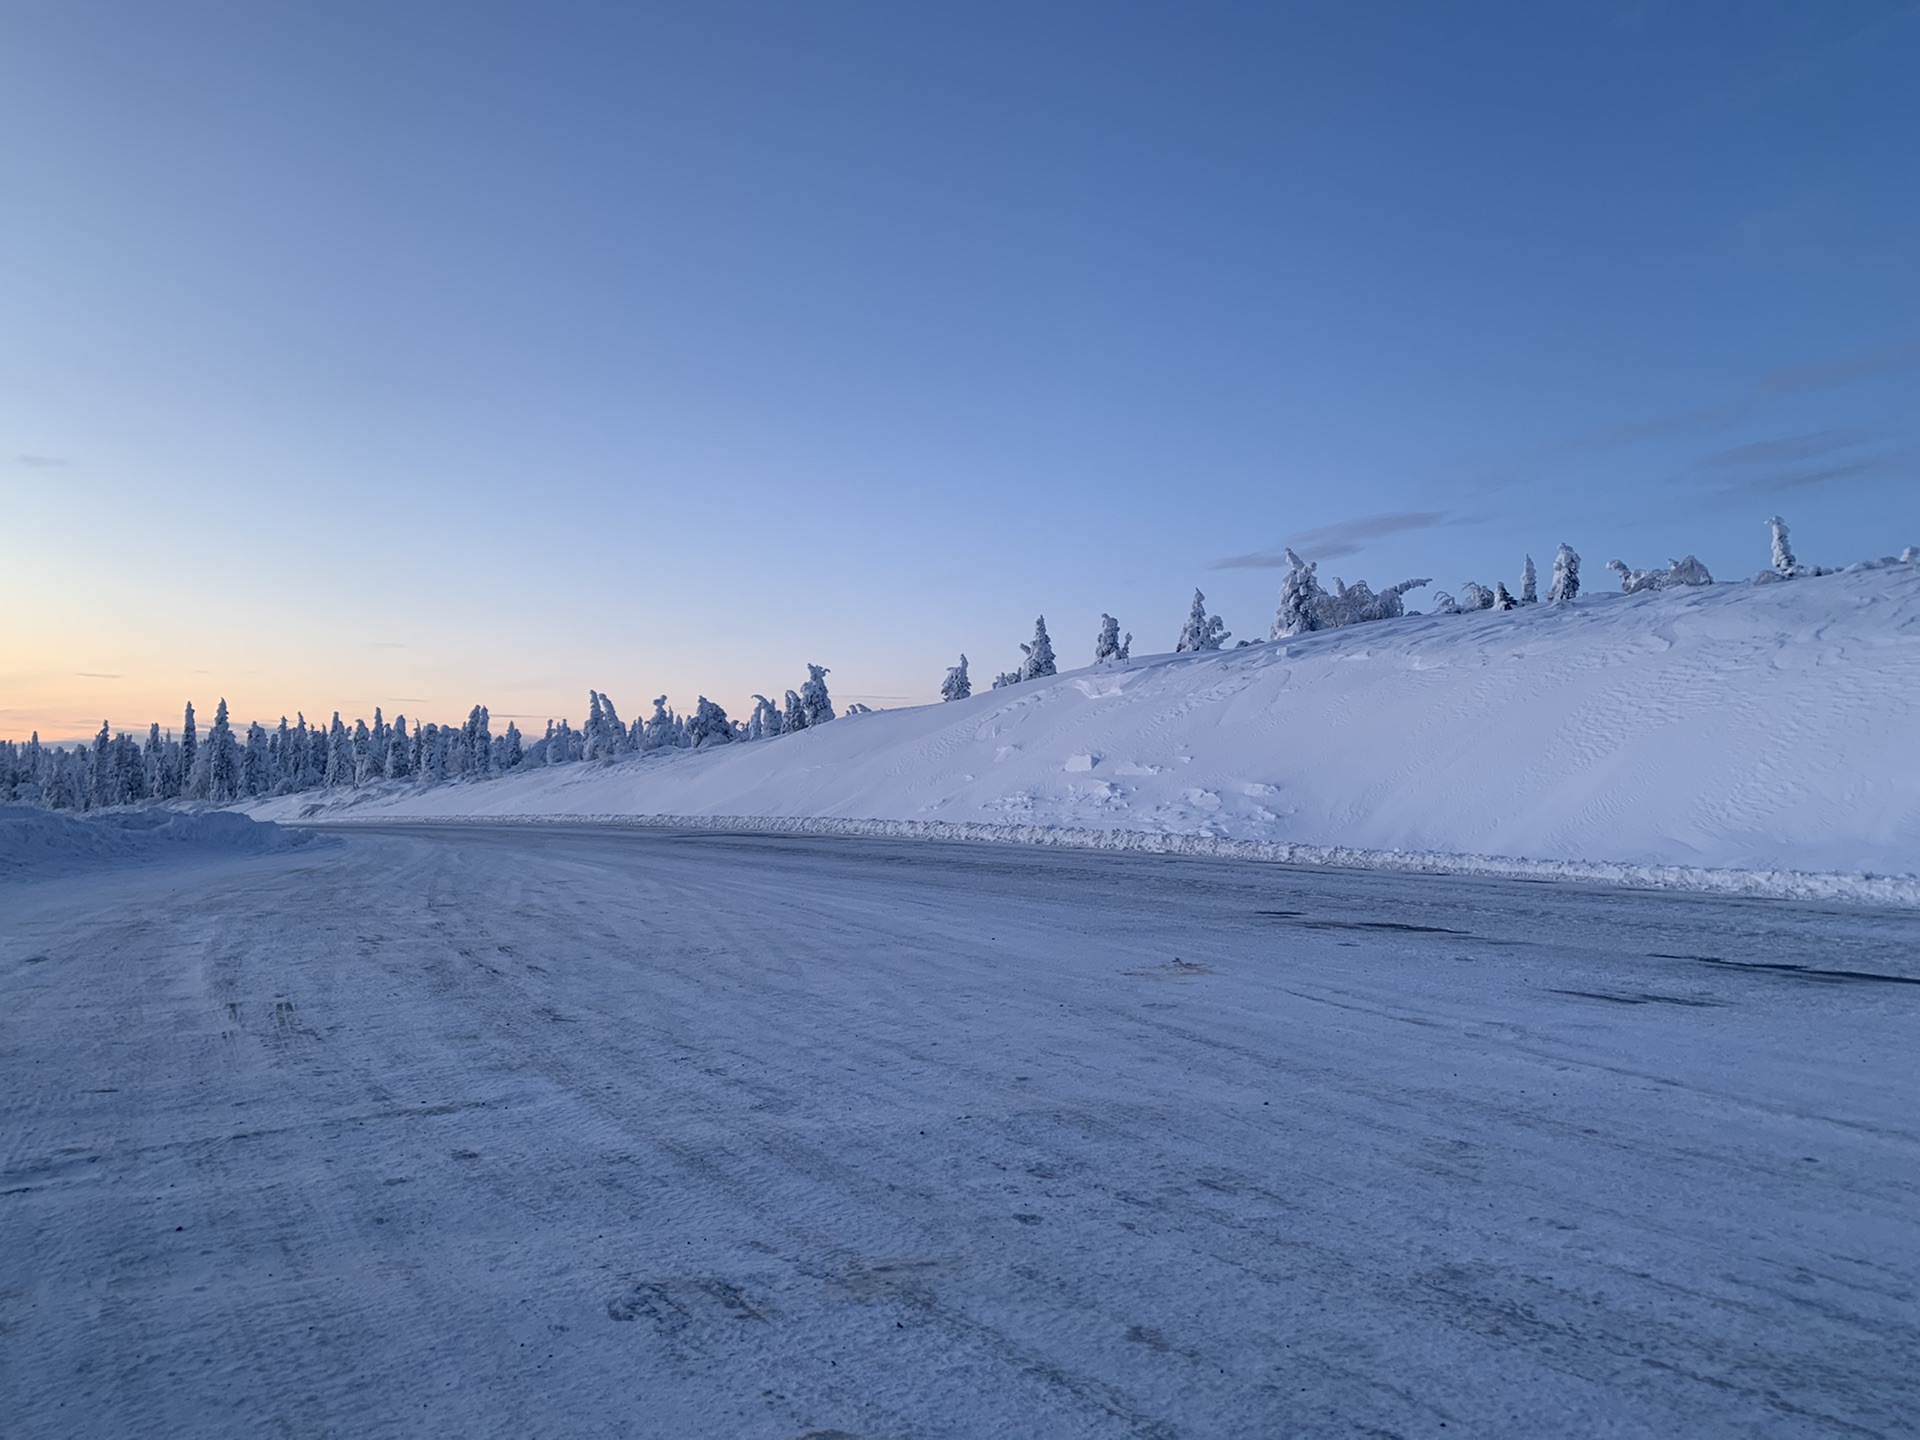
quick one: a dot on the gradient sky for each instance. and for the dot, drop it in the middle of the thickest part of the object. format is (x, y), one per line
(425, 354)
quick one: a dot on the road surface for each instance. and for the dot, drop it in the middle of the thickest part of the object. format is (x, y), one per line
(540, 1132)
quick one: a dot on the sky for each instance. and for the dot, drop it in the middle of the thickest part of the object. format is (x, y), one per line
(427, 355)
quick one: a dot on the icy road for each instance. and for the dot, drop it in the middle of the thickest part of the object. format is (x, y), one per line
(577, 1133)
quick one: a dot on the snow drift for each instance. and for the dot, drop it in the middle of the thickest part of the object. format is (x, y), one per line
(1760, 728)
(42, 842)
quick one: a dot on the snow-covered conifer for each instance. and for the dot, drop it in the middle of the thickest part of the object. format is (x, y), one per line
(189, 749)
(399, 751)
(1565, 587)
(100, 770)
(1006, 678)
(710, 725)
(661, 731)
(1109, 645)
(478, 760)
(1529, 584)
(1784, 563)
(256, 761)
(956, 686)
(221, 784)
(339, 755)
(595, 730)
(1039, 661)
(766, 722)
(1475, 596)
(1300, 598)
(795, 716)
(618, 741)
(1502, 597)
(814, 696)
(1202, 631)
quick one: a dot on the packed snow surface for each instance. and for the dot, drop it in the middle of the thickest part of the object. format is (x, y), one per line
(518, 1131)
(1756, 728)
(44, 842)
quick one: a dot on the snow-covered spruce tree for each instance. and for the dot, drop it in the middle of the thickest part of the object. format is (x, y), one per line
(1039, 661)
(1109, 645)
(1202, 631)
(1529, 584)
(710, 725)
(1300, 599)
(189, 750)
(813, 695)
(508, 749)
(339, 773)
(256, 762)
(476, 761)
(399, 751)
(595, 732)
(99, 769)
(1475, 596)
(1565, 587)
(794, 717)
(1784, 563)
(1502, 597)
(1006, 678)
(131, 771)
(956, 686)
(221, 784)
(766, 722)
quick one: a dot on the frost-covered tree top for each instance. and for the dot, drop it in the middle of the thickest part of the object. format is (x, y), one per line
(956, 686)
(1108, 645)
(1529, 584)
(1039, 661)
(1202, 631)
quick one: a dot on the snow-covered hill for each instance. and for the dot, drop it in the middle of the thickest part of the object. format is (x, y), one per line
(1740, 726)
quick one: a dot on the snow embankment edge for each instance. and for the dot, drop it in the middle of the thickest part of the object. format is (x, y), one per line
(1889, 890)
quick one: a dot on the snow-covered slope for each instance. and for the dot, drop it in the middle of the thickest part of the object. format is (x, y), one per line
(1751, 727)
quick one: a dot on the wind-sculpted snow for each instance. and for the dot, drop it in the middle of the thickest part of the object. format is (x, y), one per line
(35, 842)
(1761, 729)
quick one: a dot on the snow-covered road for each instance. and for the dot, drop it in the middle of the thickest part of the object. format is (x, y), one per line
(550, 1132)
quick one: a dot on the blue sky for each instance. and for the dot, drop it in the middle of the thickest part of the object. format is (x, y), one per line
(416, 355)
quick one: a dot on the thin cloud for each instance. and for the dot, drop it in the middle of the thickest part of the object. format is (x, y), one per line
(1792, 380)
(42, 462)
(1331, 542)
(1787, 447)
(97, 675)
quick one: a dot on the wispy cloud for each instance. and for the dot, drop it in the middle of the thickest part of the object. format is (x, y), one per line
(42, 462)
(1795, 462)
(1711, 419)
(97, 675)
(1788, 447)
(1330, 542)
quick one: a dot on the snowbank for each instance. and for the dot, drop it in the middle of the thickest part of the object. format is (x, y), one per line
(41, 842)
(1761, 729)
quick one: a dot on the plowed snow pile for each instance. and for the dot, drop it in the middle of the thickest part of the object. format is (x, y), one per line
(41, 843)
(1730, 726)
